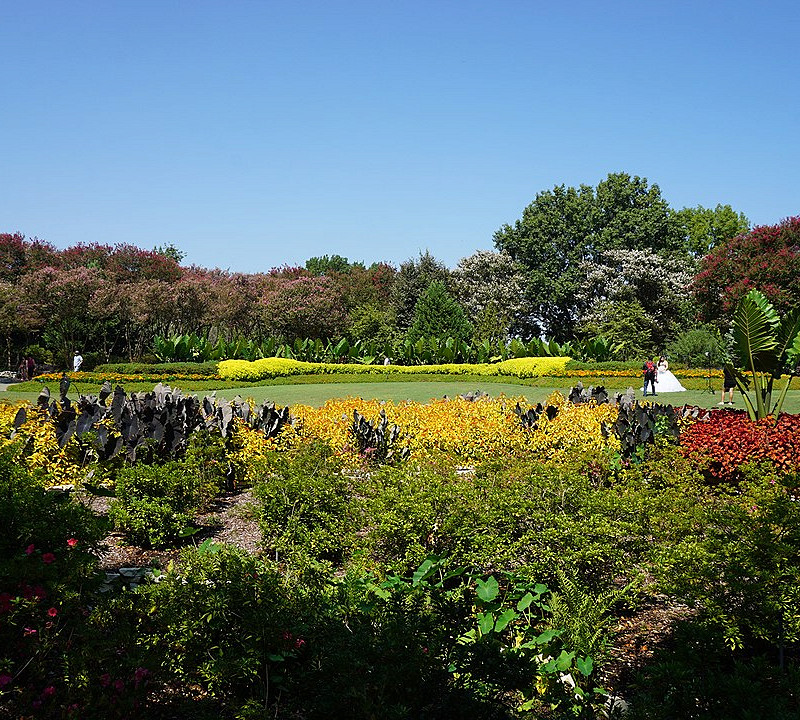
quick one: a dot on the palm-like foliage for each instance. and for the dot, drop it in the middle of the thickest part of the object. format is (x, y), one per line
(768, 345)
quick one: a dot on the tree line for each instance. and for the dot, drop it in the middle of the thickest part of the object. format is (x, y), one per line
(612, 261)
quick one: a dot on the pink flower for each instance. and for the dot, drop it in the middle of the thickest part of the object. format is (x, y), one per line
(28, 631)
(140, 675)
(299, 643)
(5, 679)
(72, 542)
(48, 558)
(119, 685)
(30, 549)
(52, 612)
(105, 679)
(49, 691)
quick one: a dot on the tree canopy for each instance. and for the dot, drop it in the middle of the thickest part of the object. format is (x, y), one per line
(565, 227)
(704, 228)
(767, 259)
(437, 314)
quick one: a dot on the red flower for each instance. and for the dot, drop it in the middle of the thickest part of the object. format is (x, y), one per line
(72, 542)
(140, 675)
(119, 685)
(49, 691)
(48, 558)
(52, 612)
(30, 549)
(299, 643)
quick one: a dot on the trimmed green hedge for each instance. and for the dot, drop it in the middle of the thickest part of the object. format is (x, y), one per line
(178, 368)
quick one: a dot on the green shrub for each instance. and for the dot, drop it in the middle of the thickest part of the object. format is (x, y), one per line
(741, 564)
(306, 505)
(185, 368)
(700, 347)
(155, 503)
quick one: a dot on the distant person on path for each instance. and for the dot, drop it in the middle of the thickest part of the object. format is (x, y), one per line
(728, 384)
(31, 365)
(22, 370)
(77, 361)
(650, 373)
(667, 382)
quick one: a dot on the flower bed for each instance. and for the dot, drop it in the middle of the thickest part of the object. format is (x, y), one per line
(728, 440)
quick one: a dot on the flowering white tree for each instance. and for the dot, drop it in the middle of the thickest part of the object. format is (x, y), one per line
(491, 287)
(636, 298)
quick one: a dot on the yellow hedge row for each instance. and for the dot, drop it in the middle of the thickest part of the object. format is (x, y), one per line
(268, 368)
(471, 431)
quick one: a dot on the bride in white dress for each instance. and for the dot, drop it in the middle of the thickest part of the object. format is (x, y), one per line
(667, 382)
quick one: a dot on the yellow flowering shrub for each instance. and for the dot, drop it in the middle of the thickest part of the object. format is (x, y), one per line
(575, 430)
(44, 454)
(471, 431)
(264, 368)
(281, 367)
(531, 367)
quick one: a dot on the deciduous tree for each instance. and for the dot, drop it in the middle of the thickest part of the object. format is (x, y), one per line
(566, 226)
(767, 259)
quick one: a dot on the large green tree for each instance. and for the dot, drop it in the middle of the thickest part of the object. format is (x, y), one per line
(704, 228)
(565, 227)
(411, 281)
(437, 314)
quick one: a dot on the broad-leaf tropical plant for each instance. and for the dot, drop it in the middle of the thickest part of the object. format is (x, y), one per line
(769, 348)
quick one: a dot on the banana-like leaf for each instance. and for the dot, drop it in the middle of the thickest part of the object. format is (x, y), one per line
(788, 342)
(755, 324)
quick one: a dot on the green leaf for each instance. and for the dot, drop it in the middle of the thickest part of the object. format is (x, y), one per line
(505, 617)
(755, 323)
(546, 637)
(525, 602)
(564, 660)
(487, 590)
(486, 623)
(585, 665)
(208, 546)
(789, 340)
(424, 571)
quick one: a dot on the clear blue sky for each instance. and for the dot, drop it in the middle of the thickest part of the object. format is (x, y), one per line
(256, 133)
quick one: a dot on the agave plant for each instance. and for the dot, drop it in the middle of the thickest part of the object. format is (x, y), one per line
(769, 347)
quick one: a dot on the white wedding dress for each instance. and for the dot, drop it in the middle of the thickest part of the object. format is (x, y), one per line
(667, 382)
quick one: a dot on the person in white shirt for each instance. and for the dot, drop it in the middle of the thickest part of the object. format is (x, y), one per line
(77, 361)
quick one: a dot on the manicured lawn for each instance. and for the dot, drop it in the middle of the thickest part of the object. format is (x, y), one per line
(316, 393)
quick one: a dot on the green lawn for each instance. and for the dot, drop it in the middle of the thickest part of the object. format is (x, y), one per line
(316, 393)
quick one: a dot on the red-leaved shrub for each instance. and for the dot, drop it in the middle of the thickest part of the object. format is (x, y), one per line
(728, 440)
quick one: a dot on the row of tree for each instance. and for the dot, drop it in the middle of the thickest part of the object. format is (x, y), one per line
(613, 261)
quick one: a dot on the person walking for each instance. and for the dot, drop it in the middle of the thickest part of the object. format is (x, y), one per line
(77, 361)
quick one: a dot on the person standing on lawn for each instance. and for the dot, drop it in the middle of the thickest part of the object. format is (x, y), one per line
(650, 373)
(728, 385)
